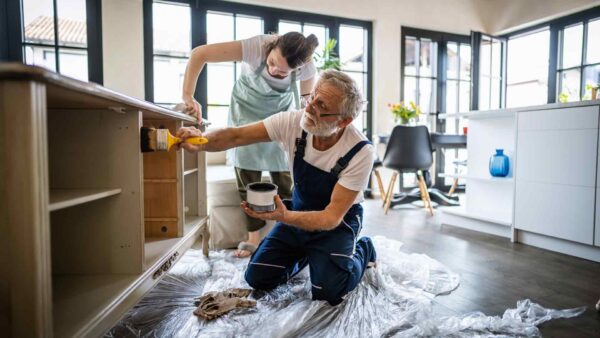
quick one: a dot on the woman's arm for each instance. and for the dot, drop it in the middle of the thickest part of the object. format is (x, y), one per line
(217, 52)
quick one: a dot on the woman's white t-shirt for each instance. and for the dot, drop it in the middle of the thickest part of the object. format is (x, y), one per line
(254, 53)
(284, 128)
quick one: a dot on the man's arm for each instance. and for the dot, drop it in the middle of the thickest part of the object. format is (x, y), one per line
(341, 201)
(226, 138)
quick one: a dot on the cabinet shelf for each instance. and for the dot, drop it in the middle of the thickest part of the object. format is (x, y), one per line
(476, 178)
(191, 171)
(65, 198)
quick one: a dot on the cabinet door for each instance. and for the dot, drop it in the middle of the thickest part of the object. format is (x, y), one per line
(557, 210)
(597, 227)
(558, 156)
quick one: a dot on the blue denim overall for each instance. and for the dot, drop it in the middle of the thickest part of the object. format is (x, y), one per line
(336, 258)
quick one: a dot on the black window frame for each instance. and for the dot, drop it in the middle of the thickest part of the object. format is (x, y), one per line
(270, 17)
(12, 45)
(441, 38)
(555, 27)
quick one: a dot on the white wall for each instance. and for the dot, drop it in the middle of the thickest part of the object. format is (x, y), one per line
(123, 46)
(501, 16)
(123, 34)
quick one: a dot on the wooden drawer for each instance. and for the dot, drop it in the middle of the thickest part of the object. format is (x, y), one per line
(561, 211)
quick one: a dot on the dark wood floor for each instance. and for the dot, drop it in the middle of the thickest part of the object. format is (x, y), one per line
(495, 273)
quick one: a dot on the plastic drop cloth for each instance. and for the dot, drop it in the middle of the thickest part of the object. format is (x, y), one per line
(393, 300)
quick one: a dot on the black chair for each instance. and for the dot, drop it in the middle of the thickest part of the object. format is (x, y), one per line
(409, 150)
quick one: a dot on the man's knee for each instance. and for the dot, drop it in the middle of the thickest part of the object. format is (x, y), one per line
(331, 290)
(259, 279)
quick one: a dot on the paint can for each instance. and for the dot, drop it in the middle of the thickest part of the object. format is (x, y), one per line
(261, 196)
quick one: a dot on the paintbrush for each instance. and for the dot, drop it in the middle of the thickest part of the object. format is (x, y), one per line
(152, 139)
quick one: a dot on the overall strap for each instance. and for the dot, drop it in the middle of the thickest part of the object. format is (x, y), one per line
(300, 145)
(343, 162)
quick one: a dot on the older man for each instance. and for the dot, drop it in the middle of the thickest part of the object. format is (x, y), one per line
(331, 162)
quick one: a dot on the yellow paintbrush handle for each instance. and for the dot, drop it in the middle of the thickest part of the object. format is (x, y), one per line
(196, 140)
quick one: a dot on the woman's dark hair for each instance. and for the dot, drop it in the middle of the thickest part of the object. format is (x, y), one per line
(295, 48)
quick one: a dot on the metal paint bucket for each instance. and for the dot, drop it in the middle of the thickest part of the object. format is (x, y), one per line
(261, 196)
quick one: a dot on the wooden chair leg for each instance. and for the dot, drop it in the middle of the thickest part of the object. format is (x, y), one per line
(390, 193)
(453, 187)
(428, 204)
(387, 192)
(380, 185)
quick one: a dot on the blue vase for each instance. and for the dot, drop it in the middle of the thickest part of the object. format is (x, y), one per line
(499, 164)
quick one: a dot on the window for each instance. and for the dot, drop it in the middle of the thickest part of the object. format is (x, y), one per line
(436, 75)
(353, 56)
(579, 60)
(569, 48)
(171, 50)
(490, 78)
(527, 69)
(201, 22)
(55, 36)
(222, 27)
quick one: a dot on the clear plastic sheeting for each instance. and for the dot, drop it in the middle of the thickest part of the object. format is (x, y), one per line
(393, 300)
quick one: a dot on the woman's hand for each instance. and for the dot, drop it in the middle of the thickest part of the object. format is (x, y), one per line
(279, 214)
(192, 107)
(187, 132)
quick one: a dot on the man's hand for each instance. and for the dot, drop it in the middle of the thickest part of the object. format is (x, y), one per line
(186, 132)
(279, 214)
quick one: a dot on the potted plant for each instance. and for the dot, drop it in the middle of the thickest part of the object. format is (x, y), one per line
(404, 114)
(328, 59)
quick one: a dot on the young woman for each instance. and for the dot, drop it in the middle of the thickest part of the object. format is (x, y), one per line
(271, 66)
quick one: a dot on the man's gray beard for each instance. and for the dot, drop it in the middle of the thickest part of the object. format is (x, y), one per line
(320, 129)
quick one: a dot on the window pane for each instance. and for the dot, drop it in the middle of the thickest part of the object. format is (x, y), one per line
(38, 22)
(451, 126)
(410, 56)
(217, 116)
(72, 24)
(465, 62)
(485, 52)
(593, 42)
(484, 93)
(451, 96)
(410, 89)
(219, 27)
(73, 63)
(572, 46)
(168, 79)
(570, 85)
(452, 59)
(220, 83)
(527, 69)
(40, 56)
(496, 59)
(427, 58)
(427, 95)
(288, 26)
(247, 27)
(592, 77)
(352, 48)
(464, 100)
(495, 94)
(319, 31)
(171, 29)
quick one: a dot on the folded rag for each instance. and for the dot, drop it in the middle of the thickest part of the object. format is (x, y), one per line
(215, 304)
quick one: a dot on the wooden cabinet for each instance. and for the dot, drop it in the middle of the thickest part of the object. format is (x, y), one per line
(88, 223)
(556, 172)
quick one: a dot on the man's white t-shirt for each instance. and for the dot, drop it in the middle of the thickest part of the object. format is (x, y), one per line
(284, 128)
(254, 53)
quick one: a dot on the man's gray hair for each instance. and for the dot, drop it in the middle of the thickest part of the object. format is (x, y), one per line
(352, 101)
